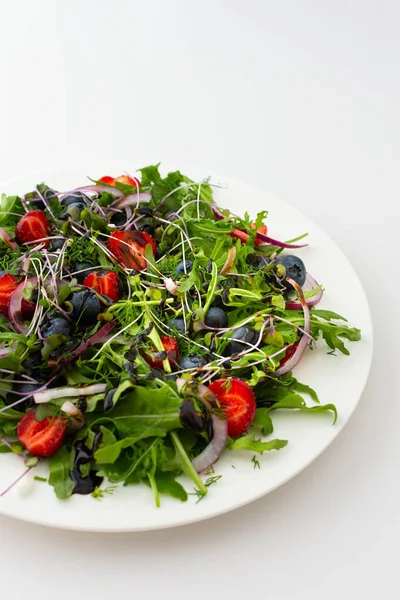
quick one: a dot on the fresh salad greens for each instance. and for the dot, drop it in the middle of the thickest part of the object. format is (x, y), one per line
(144, 331)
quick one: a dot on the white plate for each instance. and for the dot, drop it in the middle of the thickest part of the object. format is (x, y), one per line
(337, 379)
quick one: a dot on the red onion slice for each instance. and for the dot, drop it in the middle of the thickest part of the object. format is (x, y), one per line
(260, 236)
(216, 212)
(310, 284)
(69, 392)
(171, 286)
(214, 449)
(7, 239)
(304, 340)
(132, 199)
(15, 308)
(270, 240)
(98, 189)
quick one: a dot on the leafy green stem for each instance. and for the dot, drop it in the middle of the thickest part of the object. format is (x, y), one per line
(189, 468)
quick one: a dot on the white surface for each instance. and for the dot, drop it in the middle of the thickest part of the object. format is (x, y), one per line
(300, 98)
(337, 379)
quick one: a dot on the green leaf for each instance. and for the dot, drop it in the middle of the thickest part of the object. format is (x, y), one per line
(145, 412)
(278, 301)
(250, 442)
(275, 339)
(60, 466)
(328, 315)
(294, 401)
(263, 421)
(167, 484)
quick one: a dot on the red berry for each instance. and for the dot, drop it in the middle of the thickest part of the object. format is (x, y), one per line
(105, 283)
(171, 348)
(240, 235)
(33, 226)
(41, 438)
(237, 400)
(108, 180)
(129, 248)
(8, 284)
(121, 179)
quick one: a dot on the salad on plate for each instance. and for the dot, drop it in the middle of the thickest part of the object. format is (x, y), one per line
(144, 331)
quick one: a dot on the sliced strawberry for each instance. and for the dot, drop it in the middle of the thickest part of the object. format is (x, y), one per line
(8, 284)
(240, 235)
(243, 236)
(171, 348)
(128, 180)
(33, 226)
(106, 283)
(237, 400)
(108, 180)
(121, 179)
(41, 438)
(129, 248)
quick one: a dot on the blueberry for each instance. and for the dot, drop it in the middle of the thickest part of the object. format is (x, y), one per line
(25, 389)
(242, 334)
(216, 317)
(32, 363)
(181, 266)
(145, 210)
(36, 204)
(57, 243)
(147, 228)
(258, 261)
(56, 326)
(179, 324)
(86, 268)
(85, 306)
(222, 299)
(76, 198)
(295, 269)
(193, 361)
(119, 218)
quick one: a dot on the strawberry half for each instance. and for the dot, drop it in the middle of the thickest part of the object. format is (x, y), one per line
(121, 179)
(129, 248)
(8, 284)
(237, 400)
(33, 226)
(41, 438)
(171, 348)
(105, 283)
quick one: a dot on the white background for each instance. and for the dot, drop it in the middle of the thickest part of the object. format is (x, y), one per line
(301, 98)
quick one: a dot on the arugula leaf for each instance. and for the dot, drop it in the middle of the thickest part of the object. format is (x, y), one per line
(263, 421)
(250, 442)
(328, 315)
(145, 412)
(11, 210)
(60, 466)
(167, 484)
(294, 401)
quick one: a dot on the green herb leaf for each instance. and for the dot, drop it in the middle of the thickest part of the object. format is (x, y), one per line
(250, 442)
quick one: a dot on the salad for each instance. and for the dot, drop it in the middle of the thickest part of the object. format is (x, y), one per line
(144, 331)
